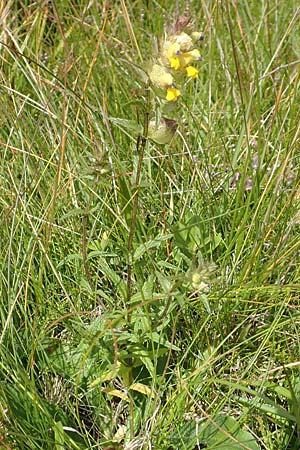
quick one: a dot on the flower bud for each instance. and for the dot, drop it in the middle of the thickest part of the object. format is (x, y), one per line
(197, 36)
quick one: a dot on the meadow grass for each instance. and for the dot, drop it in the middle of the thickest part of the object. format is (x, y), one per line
(149, 293)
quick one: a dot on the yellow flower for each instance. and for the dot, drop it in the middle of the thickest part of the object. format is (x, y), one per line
(175, 62)
(177, 44)
(192, 72)
(171, 49)
(172, 94)
(182, 60)
(188, 57)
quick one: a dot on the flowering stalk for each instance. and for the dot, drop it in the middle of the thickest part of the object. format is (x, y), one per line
(171, 66)
(164, 76)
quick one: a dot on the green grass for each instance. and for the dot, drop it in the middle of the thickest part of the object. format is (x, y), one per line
(105, 341)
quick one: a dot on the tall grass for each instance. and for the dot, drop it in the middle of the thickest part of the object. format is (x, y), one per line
(200, 349)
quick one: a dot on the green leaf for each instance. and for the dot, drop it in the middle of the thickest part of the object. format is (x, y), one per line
(152, 243)
(107, 375)
(225, 433)
(108, 271)
(149, 365)
(220, 433)
(268, 407)
(126, 124)
(163, 342)
(59, 436)
(71, 257)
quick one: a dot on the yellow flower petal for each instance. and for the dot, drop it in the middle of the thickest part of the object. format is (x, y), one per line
(192, 72)
(187, 58)
(174, 62)
(172, 94)
(172, 50)
(195, 54)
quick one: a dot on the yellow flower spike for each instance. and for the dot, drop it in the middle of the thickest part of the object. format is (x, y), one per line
(192, 72)
(172, 94)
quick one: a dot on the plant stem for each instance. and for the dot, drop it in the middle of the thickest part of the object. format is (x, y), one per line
(140, 146)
